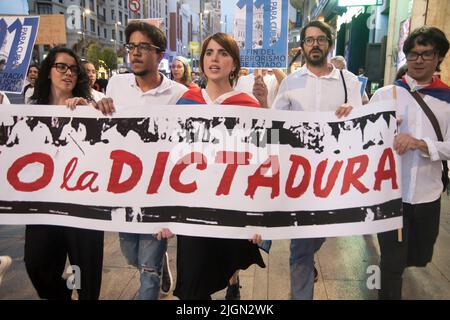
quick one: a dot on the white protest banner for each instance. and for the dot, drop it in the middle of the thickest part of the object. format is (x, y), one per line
(212, 171)
(17, 37)
(261, 30)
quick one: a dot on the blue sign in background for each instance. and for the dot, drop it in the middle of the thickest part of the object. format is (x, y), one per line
(363, 82)
(273, 53)
(14, 70)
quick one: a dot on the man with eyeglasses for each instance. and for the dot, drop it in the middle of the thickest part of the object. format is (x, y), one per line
(317, 86)
(145, 86)
(145, 45)
(422, 156)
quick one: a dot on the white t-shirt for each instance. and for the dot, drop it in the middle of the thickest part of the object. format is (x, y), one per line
(28, 94)
(97, 95)
(125, 92)
(304, 91)
(245, 84)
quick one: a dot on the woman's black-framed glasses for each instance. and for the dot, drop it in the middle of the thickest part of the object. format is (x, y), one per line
(63, 67)
(141, 46)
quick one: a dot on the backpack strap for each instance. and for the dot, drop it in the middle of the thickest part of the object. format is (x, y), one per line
(345, 86)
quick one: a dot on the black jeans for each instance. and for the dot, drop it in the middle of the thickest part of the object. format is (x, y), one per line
(46, 251)
(420, 231)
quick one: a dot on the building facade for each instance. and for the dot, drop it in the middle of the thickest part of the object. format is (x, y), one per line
(91, 21)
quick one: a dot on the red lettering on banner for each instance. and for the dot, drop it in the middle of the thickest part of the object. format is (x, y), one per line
(351, 177)
(259, 180)
(68, 171)
(22, 162)
(298, 180)
(233, 160)
(297, 161)
(332, 176)
(121, 158)
(89, 177)
(81, 185)
(175, 183)
(382, 174)
(158, 172)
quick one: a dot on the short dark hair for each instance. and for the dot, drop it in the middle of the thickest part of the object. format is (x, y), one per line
(84, 62)
(230, 46)
(152, 32)
(325, 27)
(43, 84)
(426, 35)
(32, 65)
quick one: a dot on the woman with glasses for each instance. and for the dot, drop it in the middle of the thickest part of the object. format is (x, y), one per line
(180, 71)
(62, 81)
(205, 265)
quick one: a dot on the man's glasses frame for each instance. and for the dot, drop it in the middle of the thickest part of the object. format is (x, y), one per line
(141, 46)
(321, 40)
(426, 55)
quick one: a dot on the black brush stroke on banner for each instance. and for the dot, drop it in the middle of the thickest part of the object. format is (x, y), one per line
(56, 208)
(208, 216)
(259, 132)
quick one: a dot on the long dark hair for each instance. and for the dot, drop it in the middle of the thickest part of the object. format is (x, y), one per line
(42, 91)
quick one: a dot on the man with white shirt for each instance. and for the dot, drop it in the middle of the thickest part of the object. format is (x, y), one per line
(317, 86)
(145, 86)
(421, 154)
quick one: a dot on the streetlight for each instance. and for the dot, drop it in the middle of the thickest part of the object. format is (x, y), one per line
(84, 14)
(116, 27)
(226, 24)
(201, 24)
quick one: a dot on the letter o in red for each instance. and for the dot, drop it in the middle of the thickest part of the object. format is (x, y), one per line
(19, 164)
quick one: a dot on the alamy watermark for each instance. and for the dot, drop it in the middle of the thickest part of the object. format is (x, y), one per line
(74, 279)
(374, 279)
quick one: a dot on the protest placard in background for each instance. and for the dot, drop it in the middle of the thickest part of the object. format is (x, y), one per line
(52, 29)
(260, 28)
(17, 37)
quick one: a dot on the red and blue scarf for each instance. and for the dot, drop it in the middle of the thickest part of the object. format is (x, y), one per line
(437, 89)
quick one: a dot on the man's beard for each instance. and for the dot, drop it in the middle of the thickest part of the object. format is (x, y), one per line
(141, 73)
(319, 62)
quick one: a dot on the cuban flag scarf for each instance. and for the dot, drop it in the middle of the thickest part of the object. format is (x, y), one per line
(436, 88)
